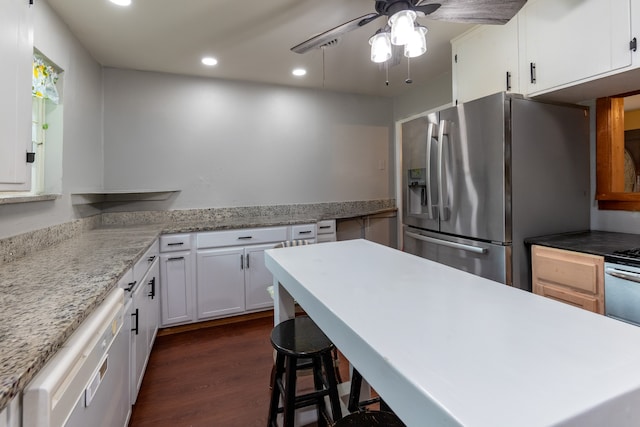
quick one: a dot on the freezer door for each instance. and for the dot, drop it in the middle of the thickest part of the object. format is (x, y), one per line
(419, 190)
(482, 259)
(473, 171)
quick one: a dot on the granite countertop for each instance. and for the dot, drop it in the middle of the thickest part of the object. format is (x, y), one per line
(45, 295)
(593, 242)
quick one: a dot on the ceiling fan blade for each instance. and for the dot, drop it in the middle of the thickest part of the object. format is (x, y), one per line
(427, 9)
(475, 11)
(334, 33)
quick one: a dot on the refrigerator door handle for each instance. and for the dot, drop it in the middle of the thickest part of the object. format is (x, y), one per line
(454, 245)
(441, 166)
(430, 130)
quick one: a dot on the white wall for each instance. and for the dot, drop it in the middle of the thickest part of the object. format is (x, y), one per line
(82, 152)
(424, 97)
(225, 143)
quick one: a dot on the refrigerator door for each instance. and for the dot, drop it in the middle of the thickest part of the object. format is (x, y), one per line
(472, 163)
(488, 260)
(419, 190)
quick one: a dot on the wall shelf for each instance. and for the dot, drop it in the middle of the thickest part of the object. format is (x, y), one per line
(98, 197)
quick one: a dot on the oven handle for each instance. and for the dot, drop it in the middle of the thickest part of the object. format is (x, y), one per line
(622, 274)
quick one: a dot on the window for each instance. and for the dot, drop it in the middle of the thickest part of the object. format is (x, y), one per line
(46, 123)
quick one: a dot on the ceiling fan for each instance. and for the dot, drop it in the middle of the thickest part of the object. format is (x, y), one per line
(461, 11)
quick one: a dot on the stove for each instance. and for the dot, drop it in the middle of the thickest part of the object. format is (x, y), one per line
(626, 256)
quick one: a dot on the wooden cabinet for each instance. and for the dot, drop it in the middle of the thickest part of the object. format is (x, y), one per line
(571, 277)
(16, 51)
(566, 42)
(485, 61)
(177, 286)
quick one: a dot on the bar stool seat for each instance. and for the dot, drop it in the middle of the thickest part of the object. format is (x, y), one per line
(370, 419)
(295, 340)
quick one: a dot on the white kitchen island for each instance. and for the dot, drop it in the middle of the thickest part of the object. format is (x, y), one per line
(447, 348)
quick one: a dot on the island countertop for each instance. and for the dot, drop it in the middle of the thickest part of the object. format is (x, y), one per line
(447, 348)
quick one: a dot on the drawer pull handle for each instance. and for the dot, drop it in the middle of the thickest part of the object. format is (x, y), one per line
(325, 226)
(175, 244)
(305, 232)
(135, 328)
(151, 258)
(175, 258)
(131, 285)
(245, 237)
(152, 292)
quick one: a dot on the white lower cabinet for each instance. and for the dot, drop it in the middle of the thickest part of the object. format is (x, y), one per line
(220, 282)
(145, 319)
(215, 274)
(177, 289)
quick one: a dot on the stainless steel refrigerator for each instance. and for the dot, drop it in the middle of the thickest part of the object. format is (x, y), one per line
(481, 177)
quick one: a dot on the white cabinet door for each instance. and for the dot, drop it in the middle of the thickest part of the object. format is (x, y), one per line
(140, 340)
(176, 288)
(16, 51)
(153, 303)
(565, 42)
(220, 282)
(257, 278)
(485, 61)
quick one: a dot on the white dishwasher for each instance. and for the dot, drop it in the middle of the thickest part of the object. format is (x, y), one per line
(86, 382)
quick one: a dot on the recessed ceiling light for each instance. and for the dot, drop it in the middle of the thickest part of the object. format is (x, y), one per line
(121, 2)
(208, 60)
(299, 72)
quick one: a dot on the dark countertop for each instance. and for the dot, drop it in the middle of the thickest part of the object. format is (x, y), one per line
(593, 242)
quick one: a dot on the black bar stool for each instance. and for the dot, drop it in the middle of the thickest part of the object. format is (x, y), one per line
(300, 344)
(370, 419)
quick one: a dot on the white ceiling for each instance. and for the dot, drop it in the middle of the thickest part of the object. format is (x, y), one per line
(251, 40)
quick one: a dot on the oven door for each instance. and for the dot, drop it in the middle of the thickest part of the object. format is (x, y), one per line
(622, 292)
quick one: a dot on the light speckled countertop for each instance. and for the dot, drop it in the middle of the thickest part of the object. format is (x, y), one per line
(45, 295)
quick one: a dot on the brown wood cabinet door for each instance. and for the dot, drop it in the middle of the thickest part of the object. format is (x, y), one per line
(571, 277)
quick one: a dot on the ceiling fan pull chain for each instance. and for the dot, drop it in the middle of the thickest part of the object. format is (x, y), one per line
(408, 81)
(386, 70)
(323, 76)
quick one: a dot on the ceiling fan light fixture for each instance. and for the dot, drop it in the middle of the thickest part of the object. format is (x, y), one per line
(299, 72)
(121, 2)
(402, 24)
(380, 47)
(417, 44)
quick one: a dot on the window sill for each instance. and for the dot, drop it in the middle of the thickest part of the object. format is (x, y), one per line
(8, 199)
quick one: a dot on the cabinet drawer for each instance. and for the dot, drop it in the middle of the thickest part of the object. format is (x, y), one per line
(248, 236)
(175, 242)
(306, 232)
(565, 295)
(327, 226)
(582, 272)
(143, 264)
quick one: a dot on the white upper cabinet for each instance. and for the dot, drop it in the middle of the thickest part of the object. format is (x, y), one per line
(571, 41)
(16, 51)
(485, 61)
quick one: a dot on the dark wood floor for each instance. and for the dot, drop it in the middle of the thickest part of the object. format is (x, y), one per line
(218, 376)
